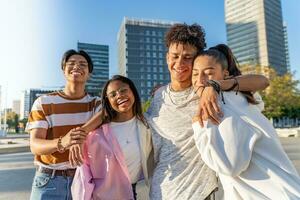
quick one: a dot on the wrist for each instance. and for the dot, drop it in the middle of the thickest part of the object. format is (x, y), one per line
(61, 148)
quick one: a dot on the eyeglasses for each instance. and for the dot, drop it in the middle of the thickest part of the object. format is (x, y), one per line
(120, 91)
(81, 65)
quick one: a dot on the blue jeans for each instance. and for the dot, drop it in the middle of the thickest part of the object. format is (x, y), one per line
(46, 187)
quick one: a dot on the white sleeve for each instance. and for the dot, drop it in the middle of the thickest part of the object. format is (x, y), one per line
(83, 185)
(226, 148)
(261, 104)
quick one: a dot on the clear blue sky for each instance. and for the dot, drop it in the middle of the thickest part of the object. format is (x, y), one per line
(34, 34)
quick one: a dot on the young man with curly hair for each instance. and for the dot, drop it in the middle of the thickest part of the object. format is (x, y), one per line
(180, 172)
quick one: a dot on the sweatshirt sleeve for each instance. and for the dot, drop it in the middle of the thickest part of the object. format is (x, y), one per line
(227, 148)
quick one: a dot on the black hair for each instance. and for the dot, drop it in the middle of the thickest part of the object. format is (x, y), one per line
(223, 55)
(72, 52)
(108, 113)
(193, 35)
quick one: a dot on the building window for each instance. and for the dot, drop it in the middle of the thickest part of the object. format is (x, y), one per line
(154, 40)
(148, 54)
(142, 61)
(160, 48)
(148, 69)
(149, 76)
(142, 84)
(147, 39)
(161, 77)
(154, 54)
(154, 62)
(155, 76)
(154, 69)
(160, 55)
(154, 47)
(148, 84)
(160, 69)
(148, 47)
(147, 32)
(148, 62)
(153, 33)
(160, 62)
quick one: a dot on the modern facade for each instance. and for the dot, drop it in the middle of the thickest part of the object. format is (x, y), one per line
(286, 45)
(142, 53)
(16, 106)
(100, 58)
(255, 32)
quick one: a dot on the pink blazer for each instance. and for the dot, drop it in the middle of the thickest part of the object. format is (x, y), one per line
(104, 174)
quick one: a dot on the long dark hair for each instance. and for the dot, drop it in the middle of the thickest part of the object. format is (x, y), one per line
(224, 56)
(108, 113)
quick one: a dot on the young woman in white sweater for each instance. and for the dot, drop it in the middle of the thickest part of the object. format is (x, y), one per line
(243, 148)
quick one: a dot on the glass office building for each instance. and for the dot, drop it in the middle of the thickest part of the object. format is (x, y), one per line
(255, 32)
(100, 58)
(142, 53)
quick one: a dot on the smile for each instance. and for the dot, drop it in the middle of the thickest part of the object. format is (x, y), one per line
(121, 101)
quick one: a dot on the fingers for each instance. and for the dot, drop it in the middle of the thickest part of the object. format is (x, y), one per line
(75, 155)
(201, 119)
(213, 115)
(71, 157)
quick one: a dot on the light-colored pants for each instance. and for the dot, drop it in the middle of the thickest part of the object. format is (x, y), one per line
(47, 187)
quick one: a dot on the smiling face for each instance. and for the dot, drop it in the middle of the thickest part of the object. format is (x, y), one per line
(206, 68)
(76, 69)
(180, 62)
(120, 97)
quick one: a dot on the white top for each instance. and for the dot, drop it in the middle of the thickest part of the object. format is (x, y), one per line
(245, 151)
(127, 136)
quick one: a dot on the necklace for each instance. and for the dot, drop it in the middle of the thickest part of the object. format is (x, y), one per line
(184, 99)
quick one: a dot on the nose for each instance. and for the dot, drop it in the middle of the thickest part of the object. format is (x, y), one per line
(200, 80)
(181, 61)
(76, 66)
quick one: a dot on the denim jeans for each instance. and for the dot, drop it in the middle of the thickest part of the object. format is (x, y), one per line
(46, 187)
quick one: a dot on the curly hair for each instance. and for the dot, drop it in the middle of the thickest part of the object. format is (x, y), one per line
(193, 35)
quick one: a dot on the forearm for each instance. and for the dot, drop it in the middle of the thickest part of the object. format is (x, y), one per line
(42, 146)
(93, 123)
(249, 82)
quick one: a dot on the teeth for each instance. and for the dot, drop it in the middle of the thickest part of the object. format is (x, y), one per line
(77, 73)
(122, 101)
(179, 70)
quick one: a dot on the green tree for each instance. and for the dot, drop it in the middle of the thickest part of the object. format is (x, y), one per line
(12, 120)
(282, 97)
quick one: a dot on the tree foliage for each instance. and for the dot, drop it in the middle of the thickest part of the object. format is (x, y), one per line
(282, 97)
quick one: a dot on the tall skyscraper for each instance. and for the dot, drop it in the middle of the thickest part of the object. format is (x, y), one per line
(24, 105)
(100, 58)
(286, 45)
(16, 106)
(142, 52)
(255, 32)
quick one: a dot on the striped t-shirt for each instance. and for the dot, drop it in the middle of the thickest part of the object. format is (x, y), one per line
(59, 114)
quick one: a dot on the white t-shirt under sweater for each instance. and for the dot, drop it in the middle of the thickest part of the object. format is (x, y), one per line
(127, 136)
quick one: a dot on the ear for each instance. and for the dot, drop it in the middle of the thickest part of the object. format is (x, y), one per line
(226, 73)
(167, 57)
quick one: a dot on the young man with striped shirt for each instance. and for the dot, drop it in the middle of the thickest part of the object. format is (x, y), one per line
(52, 125)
